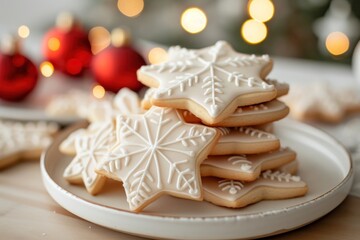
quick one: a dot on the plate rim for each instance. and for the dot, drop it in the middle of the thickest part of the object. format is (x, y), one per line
(230, 218)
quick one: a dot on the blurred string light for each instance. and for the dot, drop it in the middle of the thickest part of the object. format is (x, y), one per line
(98, 91)
(23, 31)
(261, 10)
(53, 44)
(157, 55)
(337, 43)
(46, 69)
(130, 8)
(99, 38)
(119, 37)
(193, 20)
(254, 30)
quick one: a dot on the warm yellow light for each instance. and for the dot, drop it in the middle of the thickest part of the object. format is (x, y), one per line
(337, 43)
(54, 44)
(157, 55)
(253, 31)
(23, 31)
(193, 20)
(98, 92)
(261, 10)
(46, 69)
(119, 37)
(130, 8)
(99, 38)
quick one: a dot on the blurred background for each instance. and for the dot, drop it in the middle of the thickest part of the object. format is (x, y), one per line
(326, 30)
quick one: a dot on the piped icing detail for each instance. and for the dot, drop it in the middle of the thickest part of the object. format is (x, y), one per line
(280, 176)
(156, 153)
(241, 161)
(17, 137)
(231, 186)
(255, 132)
(91, 149)
(217, 74)
(247, 167)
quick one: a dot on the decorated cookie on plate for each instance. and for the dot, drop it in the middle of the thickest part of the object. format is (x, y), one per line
(124, 103)
(271, 185)
(210, 82)
(158, 153)
(243, 116)
(91, 149)
(246, 167)
(245, 140)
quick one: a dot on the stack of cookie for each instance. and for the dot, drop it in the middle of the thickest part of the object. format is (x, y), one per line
(206, 134)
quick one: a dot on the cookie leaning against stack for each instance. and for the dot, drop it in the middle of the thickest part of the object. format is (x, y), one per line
(197, 136)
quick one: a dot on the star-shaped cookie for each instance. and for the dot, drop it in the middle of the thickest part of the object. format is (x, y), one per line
(158, 153)
(211, 82)
(91, 148)
(23, 141)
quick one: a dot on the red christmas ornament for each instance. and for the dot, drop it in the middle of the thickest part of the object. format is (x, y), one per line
(115, 67)
(67, 46)
(18, 74)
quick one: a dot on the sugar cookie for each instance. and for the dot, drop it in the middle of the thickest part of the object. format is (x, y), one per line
(68, 145)
(24, 141)
(281, 87)
(245, 167)
(211, 82)
(236, 194)
(91, 149)
(245, 140)
(248, 115)
(125, 102)
(158, 153)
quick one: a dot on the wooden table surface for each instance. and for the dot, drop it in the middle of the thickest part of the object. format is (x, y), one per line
(28, 212)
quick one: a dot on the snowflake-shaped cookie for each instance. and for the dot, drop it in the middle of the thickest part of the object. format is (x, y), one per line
(245, 167)
(270, 185)
(211, 82)
(20, 141)
(125, 102)
(158, 153)
(91, 149)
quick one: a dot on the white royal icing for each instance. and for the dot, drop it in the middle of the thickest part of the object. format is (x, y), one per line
(157, 152)
(245, 165)
(233, 190)
(91, 149)
(233, 140)
(212, 77)
(16, 137)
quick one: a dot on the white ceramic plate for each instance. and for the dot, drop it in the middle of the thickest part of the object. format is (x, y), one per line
(324, 165)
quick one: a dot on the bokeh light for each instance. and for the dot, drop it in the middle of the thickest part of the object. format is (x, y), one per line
(253, 31)
(261, 10)
(157, 55)
(23, 31)
(193, 20)
(54, 44)
(337, 43)
(119, 37)
(46, 69)
(130, 8)
(99, 91)
(99, 38)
